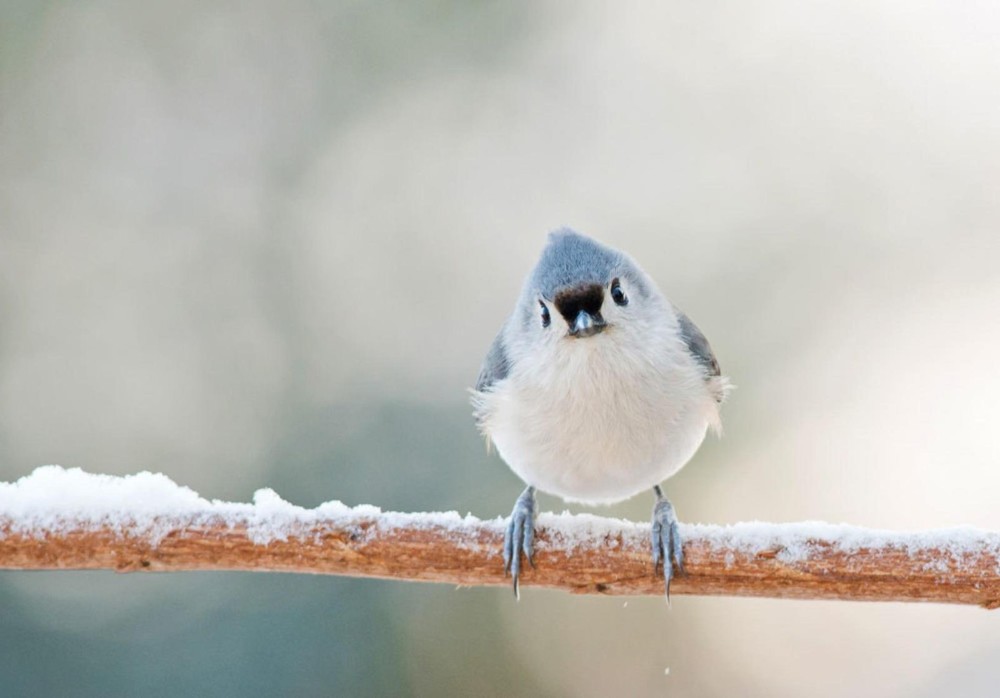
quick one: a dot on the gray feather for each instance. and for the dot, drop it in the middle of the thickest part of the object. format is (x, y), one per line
(698, 345)
(496, 365)
(571, 259)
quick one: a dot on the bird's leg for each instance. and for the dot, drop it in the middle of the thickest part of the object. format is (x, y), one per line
(520, 536)
(666, 539)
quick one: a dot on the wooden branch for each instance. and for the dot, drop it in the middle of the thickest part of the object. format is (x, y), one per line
(579, 554)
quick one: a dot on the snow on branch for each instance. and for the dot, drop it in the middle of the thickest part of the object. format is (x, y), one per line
(69, 519)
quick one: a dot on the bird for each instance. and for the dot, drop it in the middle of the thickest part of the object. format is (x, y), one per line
(595, 389)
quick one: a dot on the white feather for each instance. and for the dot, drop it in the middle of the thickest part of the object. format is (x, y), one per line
(602, 418)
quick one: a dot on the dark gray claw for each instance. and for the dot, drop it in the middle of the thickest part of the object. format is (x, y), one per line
(520, 536)
(667, 548)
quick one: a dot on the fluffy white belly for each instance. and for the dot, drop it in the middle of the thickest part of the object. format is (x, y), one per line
(600, 430)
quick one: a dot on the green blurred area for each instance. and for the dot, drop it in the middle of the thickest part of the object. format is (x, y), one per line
(254, 245)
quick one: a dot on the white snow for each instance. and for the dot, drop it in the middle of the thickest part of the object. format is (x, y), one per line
(53, 499)
(798, 541)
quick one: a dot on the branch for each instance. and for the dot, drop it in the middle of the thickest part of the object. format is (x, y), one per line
(59, 519)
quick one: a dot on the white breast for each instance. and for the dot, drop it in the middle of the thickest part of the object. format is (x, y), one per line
(596, 423)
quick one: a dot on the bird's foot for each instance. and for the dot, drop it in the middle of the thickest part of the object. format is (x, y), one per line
(667, 548)
(520, 536)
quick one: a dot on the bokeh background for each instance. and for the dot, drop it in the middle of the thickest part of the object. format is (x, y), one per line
(267, 245)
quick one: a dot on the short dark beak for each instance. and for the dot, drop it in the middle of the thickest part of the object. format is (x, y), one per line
(586, 325)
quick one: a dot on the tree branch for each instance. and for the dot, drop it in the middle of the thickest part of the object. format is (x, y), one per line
(69, 519)
(579, 554)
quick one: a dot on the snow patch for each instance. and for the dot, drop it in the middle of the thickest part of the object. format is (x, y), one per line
(794, 542)
(52, 500)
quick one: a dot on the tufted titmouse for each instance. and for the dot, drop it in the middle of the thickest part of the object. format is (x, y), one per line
(595, 389)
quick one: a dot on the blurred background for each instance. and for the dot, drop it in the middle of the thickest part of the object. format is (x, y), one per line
(267, 245)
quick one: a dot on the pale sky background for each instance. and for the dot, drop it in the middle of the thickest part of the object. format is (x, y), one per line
(252, 245)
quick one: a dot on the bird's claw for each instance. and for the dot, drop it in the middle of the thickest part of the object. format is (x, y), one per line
(520, 537)
(667, 549)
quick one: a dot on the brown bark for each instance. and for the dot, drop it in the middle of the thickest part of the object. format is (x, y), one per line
(616, 562)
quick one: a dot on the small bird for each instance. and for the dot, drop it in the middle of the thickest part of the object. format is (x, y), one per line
(595, 389)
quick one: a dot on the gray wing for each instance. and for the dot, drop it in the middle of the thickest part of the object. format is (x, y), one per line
(496, 365)
(698, 345)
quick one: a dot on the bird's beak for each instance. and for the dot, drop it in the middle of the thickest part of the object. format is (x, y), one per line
(586, 325)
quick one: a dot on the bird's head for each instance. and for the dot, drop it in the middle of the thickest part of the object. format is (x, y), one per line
(581, 289)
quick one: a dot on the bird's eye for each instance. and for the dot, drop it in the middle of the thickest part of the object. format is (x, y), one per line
(617, 294)
(546, 318)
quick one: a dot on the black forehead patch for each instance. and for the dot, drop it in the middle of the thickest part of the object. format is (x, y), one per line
(570, 301)
(571, 260)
